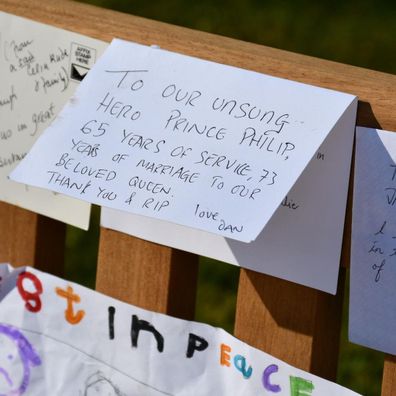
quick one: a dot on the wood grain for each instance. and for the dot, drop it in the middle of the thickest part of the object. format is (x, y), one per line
(151, 276)
(389, 376)
(291, 322)
(31, 239)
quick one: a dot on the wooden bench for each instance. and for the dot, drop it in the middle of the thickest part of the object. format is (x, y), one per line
(292, 322)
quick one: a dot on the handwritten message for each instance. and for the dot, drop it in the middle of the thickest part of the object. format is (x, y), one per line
(36, 79)
(185, 140)
(46, 328)
(373, 262)
(294, 245)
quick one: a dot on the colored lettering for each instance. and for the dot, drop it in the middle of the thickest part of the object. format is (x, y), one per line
(28, 296)
(71, 316)
(195, 343)
(224, 355)
(300, 387)
(240, 365)
(138, 325)
(273, 368)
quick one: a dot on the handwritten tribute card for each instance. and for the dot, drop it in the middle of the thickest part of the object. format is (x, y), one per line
(40, 67)
(46, 336)
(372, 315)
(302, 241)
(189, 141)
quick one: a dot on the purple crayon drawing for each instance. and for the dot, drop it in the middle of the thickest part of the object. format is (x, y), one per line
(17, 356)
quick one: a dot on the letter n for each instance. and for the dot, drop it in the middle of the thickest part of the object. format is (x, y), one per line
(138, 325)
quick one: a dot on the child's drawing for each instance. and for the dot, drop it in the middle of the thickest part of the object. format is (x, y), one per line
(98, 385)
(17, 357)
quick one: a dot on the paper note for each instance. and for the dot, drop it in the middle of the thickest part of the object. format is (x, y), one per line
(46, 336)
(185, 140)
(372, 316)
(39, 68)
(302, 241)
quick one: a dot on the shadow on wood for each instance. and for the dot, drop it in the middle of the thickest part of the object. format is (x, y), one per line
(294, 323)
(31, 239)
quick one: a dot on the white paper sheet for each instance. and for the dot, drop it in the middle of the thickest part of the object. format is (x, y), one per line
(302, 241)
(37, 76)
(64, 339)
(372, 315)
(189, 141)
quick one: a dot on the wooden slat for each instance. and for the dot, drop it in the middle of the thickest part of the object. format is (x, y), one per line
(389, 376)
(294, 323)
(375, 90)
(31, 239)
(146, 274)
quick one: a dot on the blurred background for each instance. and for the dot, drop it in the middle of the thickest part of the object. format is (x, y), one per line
(361, 33)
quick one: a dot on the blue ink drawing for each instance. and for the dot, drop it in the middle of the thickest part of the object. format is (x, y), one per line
(17, 356)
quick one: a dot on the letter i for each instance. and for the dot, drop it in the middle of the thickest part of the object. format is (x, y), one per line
(111, 322)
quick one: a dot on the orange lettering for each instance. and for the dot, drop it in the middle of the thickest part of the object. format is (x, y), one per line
(71, 298)
(224, 355)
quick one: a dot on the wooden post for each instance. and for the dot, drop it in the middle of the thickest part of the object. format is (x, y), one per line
(146, 274)
(389, 376)
(291, 322)
(31, 239)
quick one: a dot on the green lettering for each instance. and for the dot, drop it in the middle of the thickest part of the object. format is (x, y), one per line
(300, 387)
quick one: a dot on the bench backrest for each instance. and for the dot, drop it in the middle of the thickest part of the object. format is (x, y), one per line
(299, 325)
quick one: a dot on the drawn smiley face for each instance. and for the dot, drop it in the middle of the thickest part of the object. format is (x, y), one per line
(11, 367)
(17, 356)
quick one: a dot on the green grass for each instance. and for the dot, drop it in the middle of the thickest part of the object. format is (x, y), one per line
(216, 295)
(360, 32)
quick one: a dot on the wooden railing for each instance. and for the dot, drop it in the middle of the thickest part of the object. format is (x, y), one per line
(299, 325)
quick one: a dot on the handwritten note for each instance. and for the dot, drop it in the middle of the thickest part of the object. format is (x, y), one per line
(302, 241)
(46, 328)
(37, 76)
(372, 317)
(185, 140)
